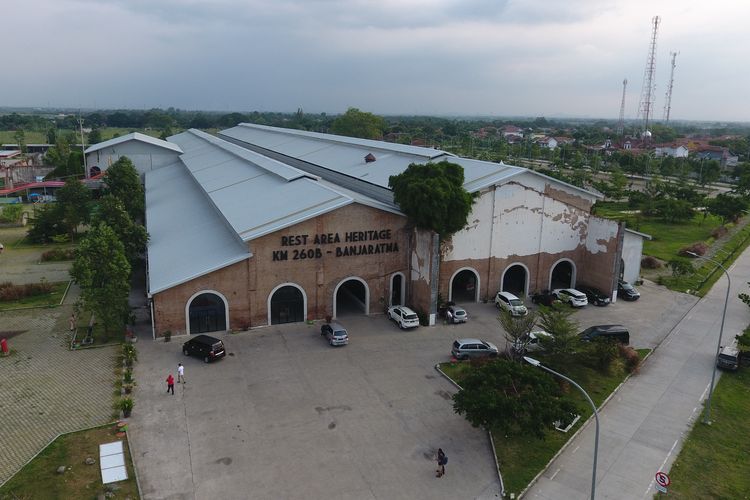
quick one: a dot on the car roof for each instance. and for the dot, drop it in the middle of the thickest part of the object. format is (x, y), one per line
(204, 339)
(336, 326)
(507, 295)
(469, 341)
(456, 308)
(405, 309)
(537, 333)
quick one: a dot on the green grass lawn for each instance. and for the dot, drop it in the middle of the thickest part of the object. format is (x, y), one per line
(9, 137)
(39, 478)
(715, 460)
(668, 237)
(100, 336)
(46, 300)
(523, 457)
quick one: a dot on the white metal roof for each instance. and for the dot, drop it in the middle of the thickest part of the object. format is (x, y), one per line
(135, 136)
(346, 155)
(187, 236)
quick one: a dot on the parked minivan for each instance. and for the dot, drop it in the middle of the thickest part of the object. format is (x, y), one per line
(614, 332)
(205, 347)
(729, 357)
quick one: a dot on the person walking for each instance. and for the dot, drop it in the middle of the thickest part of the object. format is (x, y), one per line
(441, 461)
(180, 373)
(170, 384)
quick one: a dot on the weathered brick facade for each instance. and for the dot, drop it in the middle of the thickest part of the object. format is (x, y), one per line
(293, 256)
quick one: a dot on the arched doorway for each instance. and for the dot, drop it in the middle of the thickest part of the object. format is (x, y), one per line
(464, 286)
(207, 312)
(397, 289)
(516, 280)
(286, 304)
(563, 275)
(94, 171)
(351, 296)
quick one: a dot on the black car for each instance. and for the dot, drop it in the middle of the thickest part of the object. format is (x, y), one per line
(607, 332)
(626, 291)
(594, 295)
(204, 347)
(544, 298)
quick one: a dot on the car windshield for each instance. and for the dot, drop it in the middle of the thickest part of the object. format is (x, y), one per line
(339, 333)
(459, 312)
(410, 316)
(727, 357)
(456, 344)
(577, 295)
(627, 286)
(485, 344)
(515, 302)
(217, 346)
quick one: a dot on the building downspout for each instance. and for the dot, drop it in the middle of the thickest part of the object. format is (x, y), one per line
(153, 326)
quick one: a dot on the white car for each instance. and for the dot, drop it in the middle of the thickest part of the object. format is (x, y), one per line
(403, 316)
(456, 314)
(510, 303)
(571, 296)
(531, 342)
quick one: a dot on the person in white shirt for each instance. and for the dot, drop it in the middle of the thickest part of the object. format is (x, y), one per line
(180, 373)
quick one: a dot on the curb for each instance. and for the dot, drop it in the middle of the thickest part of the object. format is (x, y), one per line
(489, 434)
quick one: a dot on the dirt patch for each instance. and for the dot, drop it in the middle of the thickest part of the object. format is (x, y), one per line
(9, 334)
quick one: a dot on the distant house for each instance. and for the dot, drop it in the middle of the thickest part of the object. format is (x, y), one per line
(722, 155)
(675, 151)
(547, 142)
(512, 130)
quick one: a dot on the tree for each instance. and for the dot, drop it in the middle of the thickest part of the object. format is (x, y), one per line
(95, 136)
(73, 199)
(564, 343)
(123, 182)
(47, 223)
(514, 398)
(433, 196)
(727, 206)
(516, 330)
(111, 212)
(672, 210)
(20, 137)
(103, 272)
(356, 123)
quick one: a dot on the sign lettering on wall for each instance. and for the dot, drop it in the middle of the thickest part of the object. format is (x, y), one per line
(350, 243)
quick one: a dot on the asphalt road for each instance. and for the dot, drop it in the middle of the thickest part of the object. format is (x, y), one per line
(642, 428)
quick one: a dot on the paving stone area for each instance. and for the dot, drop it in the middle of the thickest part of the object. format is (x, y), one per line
(45, 389)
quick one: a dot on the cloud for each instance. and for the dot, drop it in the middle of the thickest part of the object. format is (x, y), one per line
(533, 57)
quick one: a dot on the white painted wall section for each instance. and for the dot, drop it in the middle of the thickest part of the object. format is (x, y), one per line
(632, 250)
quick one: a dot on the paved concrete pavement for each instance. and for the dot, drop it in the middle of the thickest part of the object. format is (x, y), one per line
(45, 389)
(643, 426)
(286, 416)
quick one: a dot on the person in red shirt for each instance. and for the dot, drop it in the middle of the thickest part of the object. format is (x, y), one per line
(170, 384)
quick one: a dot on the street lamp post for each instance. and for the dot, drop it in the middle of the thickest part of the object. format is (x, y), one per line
(538, 364)
(707, 414)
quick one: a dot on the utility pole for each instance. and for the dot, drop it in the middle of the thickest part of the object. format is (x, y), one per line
(649, 84)
(668, 95)
(83, 143)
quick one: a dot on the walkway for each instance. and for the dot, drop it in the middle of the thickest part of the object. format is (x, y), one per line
(643, 427)
(46, 390)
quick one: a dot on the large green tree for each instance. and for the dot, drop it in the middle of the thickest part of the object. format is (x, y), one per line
(727, 206)
(516, 330)
(356, 123)
(564, 343)
(433, 196)
(111, 212)
(73, 199)
(123, 182)
(103, 272)
(514, 398)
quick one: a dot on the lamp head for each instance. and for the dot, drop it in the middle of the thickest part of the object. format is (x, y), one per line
(532, 361)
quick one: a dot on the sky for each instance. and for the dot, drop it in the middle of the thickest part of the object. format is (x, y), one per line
(553, 58)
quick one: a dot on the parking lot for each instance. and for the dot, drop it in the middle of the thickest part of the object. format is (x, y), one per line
(286, 416)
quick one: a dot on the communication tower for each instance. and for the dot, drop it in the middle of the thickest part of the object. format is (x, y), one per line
(621, 121)
(668, 95)
(648, 90)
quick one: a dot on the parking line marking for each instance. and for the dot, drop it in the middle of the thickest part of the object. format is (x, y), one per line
(661, 467)
(552, 477)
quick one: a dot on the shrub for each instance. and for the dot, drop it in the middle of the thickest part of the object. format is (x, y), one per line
(631, 357)
(680, 267)
(11, 213)
(600, 354)
(58, 254)
(649, 262)
(719, 232)
(699, 248)
(10, 292)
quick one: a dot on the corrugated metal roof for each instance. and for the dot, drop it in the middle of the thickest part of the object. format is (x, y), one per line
(255, 194)
(187, 236)
(135, 136)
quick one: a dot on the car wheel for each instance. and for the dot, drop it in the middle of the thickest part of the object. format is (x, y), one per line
(401, 325)
(185, 352)
(206, 359)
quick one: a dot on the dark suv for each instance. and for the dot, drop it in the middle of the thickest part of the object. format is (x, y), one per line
(627, 291)
(610, 332)
(204, 347)
(594, 295)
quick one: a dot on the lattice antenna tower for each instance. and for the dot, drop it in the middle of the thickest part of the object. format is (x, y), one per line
(668, 95)
(648, 90)
(621, 121)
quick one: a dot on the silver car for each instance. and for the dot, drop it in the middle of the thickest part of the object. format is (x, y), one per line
(473, 348)
(335, 334)
(456, 314)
